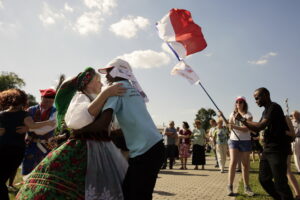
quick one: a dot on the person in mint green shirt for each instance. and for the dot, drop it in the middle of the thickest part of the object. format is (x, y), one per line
(220, 138)
(146, 148)
(199, 141)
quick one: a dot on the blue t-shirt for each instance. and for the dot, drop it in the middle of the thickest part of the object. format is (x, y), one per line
(135, 121)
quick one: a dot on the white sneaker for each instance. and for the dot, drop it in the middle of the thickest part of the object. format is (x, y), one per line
(230, 190)
(248, 191)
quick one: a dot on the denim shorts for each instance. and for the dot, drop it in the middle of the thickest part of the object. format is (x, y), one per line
(241, 145)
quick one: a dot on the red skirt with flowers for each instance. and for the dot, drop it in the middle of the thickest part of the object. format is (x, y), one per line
(61, 175)
(184, 150)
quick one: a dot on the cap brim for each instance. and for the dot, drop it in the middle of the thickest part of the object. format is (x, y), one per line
(103, 70)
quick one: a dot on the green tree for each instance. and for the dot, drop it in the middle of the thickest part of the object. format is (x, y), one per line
(204, 115)
(10, 80)
(31, 100)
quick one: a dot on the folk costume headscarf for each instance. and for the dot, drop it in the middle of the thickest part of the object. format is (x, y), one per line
(67, 91)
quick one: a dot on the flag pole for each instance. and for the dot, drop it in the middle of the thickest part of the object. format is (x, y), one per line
(222, 115)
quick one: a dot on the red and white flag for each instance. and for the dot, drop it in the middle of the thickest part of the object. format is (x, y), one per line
(183, 36)
(185, 71)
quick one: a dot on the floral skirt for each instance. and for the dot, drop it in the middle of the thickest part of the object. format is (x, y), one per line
(61, 175)
(184, 150)
(78, 169)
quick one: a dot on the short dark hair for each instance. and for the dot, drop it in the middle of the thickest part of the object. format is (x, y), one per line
(186, 124)
(264, 91)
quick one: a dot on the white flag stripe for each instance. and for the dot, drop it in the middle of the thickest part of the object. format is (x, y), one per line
(165, 29)
(185, 71)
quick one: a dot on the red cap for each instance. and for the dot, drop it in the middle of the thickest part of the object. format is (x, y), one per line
(48, 93)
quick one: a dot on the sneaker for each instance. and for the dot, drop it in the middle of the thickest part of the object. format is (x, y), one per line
(230, 190)
(248, 191)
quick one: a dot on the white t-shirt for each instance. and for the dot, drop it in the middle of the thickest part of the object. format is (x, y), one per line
(241, 134)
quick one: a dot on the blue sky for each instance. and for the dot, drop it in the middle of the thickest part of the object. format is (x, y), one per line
(250, 44)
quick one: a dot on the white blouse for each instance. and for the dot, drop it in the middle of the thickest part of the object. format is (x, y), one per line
(243, 135)
(77, 115)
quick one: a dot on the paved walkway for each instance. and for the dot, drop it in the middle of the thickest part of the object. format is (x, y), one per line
(193, 184)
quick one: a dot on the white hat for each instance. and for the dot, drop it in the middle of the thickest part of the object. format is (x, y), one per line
(240, 98)
(122, 69)
(118, 63)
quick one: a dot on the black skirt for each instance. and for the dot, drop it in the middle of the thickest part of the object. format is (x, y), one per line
(198, 157)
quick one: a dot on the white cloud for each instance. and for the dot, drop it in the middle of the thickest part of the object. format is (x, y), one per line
(146, 59)
(68, 8)
(104, 6)
(9, 29)
(49, 16)
(208, 54)
(269, 54)
(259, 62)
(129, 26)
(263, 59)
(89, 22)
(141, 22)
(1, 4)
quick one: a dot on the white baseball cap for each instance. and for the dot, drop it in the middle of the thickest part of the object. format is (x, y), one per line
(117, 62)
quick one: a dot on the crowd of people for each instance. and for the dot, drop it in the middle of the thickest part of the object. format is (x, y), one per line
(68, 150)
(238, 138)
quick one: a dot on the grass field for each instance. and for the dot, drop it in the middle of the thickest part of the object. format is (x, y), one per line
(18, 179)
(260, 194)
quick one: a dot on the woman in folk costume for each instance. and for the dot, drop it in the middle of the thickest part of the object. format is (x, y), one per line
(88, 166)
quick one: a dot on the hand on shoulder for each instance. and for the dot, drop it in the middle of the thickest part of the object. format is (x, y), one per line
(115, 89)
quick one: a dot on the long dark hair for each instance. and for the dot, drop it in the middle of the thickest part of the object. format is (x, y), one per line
(245, 107)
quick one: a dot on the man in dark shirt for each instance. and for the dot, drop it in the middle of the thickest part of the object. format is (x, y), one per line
(273, 164)
(170, 137)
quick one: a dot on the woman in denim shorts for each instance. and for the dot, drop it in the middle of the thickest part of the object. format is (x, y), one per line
(239, 147)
